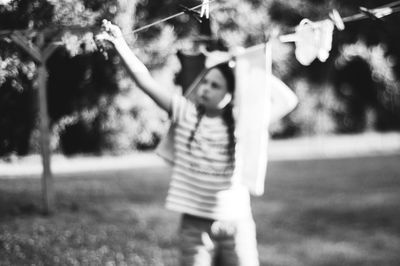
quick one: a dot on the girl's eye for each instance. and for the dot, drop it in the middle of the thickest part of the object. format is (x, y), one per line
(215, 85)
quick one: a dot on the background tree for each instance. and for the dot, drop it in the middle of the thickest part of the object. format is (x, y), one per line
(94, 107)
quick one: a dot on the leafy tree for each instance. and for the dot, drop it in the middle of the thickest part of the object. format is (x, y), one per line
(85, 89)
(360, 81)
(17, 105)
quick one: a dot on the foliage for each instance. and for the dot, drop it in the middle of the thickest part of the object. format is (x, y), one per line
(377, 90)
(362, 71)
(17, 100)
(26, 14)
(79, 76)
(315, 113)
(82, 82)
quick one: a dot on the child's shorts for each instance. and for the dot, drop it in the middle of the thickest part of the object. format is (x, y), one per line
(206, 242)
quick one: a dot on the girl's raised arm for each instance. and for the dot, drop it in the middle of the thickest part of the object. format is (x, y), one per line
(136, 69)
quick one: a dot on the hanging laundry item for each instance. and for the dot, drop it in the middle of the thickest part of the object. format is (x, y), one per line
(216, 57)
(191, 66)
(252, 112)
(312, 39)
(205, 9)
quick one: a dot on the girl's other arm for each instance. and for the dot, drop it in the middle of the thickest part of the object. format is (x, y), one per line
(136, 69)
(283, 99)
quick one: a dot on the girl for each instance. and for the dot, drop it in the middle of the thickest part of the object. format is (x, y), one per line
(217, 227)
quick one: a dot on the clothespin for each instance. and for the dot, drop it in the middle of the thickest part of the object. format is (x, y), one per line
(270, 33)
(192, 13)
(205, 9)
(337, 19)
(383, 12)
(376, 15)
(369, 13)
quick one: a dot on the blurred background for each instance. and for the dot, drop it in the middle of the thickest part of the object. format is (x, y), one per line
(331, 212)
(95, 108)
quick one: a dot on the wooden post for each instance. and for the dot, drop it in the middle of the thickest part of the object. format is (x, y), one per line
(40, 53)
(47, 179)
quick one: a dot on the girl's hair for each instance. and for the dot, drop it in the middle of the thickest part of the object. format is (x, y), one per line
(228, 74)
(227, 112)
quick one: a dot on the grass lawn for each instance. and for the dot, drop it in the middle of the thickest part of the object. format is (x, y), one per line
(317, 212)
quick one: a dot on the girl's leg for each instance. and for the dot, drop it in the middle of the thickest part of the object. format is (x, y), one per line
(237, 244)
(196, 246)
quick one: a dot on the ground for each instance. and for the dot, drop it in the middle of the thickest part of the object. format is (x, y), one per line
(335, 210)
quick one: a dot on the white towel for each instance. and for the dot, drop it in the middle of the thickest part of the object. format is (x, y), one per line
(252, 108)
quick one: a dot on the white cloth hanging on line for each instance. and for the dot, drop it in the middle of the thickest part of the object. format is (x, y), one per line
(253, 108)
(205, 9)
(312, 39)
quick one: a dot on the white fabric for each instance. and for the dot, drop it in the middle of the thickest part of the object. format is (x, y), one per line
(253, 94)
(312, 39)
(205, 9)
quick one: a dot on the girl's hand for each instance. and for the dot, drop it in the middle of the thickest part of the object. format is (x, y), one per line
(137, 70)
(109, 32)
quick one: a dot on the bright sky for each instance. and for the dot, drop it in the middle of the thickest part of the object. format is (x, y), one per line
(4, 2)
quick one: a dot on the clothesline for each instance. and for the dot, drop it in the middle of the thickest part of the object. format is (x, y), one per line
(315, 35)
(205, 3)
(204, 11)
(389, 11)
(395, 3)
(313, 39)
(171, 17)
(378, 12)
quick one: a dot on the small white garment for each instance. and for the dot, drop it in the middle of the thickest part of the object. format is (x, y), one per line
(205, 9)
(312, 39)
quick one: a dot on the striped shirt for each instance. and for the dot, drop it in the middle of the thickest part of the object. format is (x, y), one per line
(203, 182)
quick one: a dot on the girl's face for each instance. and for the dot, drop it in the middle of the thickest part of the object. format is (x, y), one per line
(213, 91)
